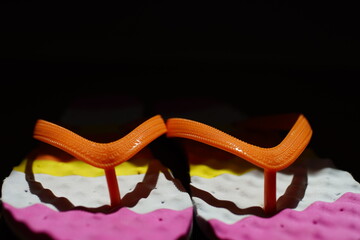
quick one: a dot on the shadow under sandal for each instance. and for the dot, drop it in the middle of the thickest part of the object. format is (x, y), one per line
(62, 194)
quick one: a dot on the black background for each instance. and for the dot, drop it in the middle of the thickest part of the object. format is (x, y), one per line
(263, 57)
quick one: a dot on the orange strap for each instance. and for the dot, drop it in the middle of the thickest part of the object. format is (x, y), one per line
(101, 155)
(272, 159)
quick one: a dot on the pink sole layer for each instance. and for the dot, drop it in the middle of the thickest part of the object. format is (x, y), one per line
(321, 220)
(123, 224)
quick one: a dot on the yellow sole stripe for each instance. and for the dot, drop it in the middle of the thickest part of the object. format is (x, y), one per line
(208, 168)
(76, 167)
(213, 167)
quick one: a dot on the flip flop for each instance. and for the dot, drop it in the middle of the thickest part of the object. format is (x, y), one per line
(227, 189)
(270, 159)
(74, 188)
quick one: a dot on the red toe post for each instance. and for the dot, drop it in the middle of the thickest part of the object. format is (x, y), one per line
(102, 155)
(270, 159)
(114, 192)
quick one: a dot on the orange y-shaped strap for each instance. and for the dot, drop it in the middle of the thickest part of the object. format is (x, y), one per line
(270, 159)
(102, 155)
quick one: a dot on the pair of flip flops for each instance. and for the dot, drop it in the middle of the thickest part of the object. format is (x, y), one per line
(74, 188)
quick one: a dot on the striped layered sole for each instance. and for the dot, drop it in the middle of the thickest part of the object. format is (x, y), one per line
(55, 195)
(228, 196)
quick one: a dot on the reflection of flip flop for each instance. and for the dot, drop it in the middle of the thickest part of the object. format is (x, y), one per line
(227, 191)
(62, 195)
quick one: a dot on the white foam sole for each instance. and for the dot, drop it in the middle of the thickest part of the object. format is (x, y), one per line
(92, 192)
(300, 185)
